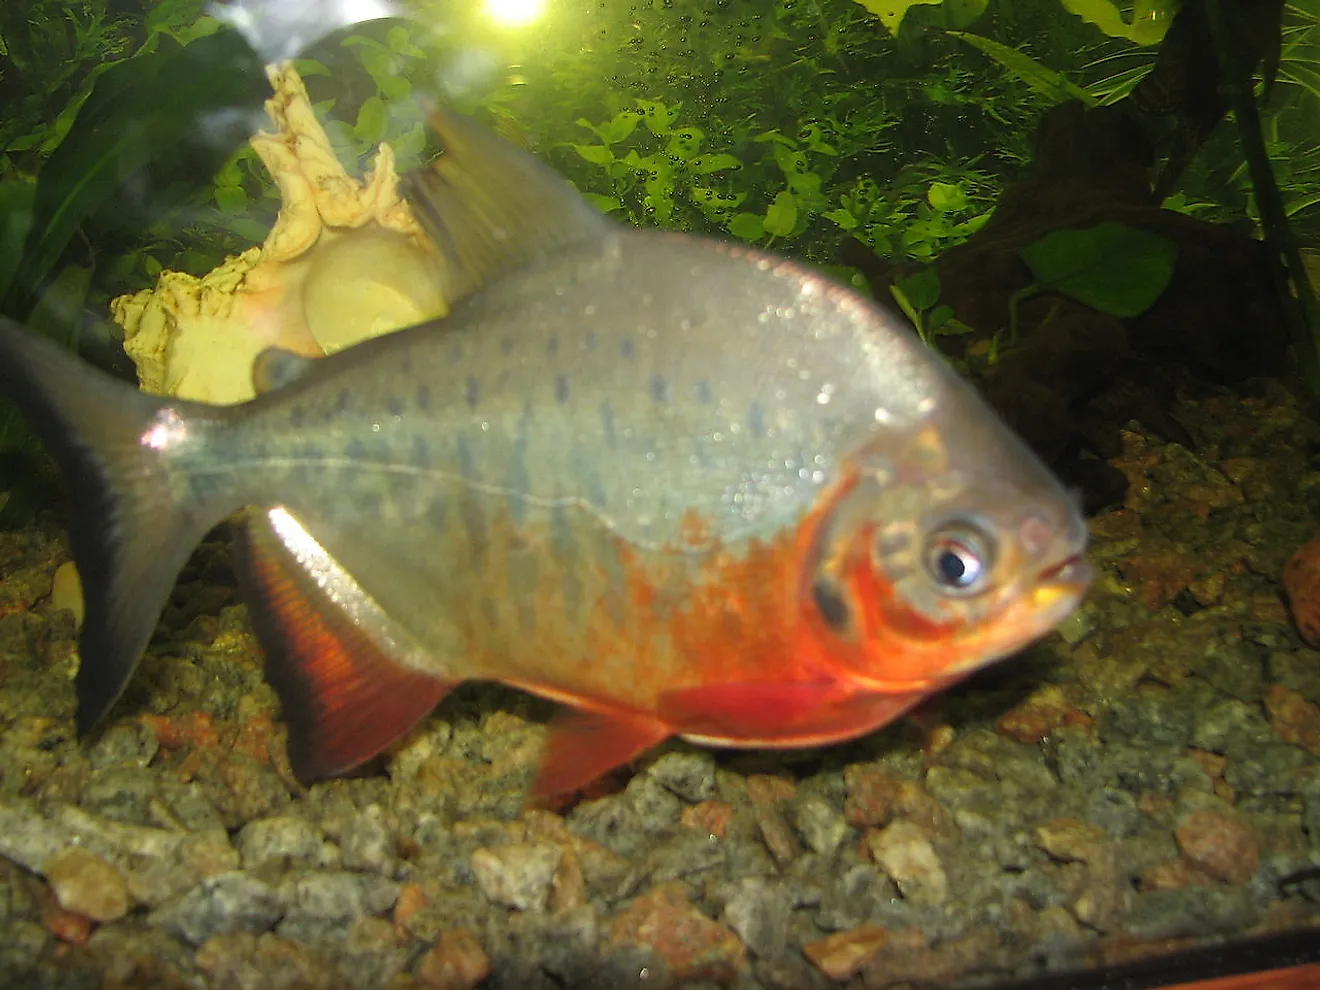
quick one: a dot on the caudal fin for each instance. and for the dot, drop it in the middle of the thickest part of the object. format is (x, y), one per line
(136, 511)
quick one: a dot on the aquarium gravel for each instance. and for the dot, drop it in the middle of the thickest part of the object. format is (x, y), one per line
(1148, 778)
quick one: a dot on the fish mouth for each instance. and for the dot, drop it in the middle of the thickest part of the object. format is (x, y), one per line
(1059, 587)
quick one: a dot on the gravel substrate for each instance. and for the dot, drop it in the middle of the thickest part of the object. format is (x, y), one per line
(1146, 779)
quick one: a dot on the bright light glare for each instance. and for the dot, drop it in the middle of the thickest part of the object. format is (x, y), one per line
(515, 13)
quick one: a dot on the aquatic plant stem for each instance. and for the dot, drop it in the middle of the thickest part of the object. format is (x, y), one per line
(1301, 311)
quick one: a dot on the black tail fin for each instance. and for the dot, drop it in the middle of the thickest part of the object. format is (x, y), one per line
(136, 513)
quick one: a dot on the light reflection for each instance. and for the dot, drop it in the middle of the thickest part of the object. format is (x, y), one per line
(515, 13)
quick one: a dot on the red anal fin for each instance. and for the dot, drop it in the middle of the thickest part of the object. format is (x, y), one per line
(586, 745)
(344, 699)
(804, 713)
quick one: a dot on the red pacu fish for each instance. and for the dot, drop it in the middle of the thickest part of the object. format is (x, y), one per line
(676, 485)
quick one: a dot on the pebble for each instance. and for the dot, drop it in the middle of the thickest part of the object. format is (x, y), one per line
(1220, 844)
(221, 905)
(758, 912)
(692, 945)
(821, 825)
(904, 852)
(690, 775)
(1294, 719)
(456, 962)
(246, 961)
(1161, 914)
(86, 885)
(843, 955)
(517, 875)
(280, 841)
(322, 904)
(368, 844)
(656, 805)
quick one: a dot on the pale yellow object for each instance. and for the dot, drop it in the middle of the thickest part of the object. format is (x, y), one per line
(344, 261)
(66, 591)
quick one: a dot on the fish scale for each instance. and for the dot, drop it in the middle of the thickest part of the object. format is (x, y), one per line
(677, 485)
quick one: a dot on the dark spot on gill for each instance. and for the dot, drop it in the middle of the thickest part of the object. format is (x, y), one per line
(831, 604)
(701, 392)
(607, 422)
(423, 397)
(297, 417)
(506, 346)
(628, 348)
(552, 346)
(355, 450)
(343, 401)
(394, 405)
(561, 388)
(659, 389)
(589, 340)
(471, 392)
(756, 420)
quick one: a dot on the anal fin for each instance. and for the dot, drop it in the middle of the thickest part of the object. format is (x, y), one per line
(345, 697)
(585, 745)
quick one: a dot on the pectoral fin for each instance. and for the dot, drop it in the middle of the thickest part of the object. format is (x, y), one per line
(331, 653)
(584, 745)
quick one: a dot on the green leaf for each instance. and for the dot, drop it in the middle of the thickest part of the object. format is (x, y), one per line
(1053, 85)
(843, 218)
(308, 67)
(597, 154)
(891, 12)
(1111, 267)
(58, 312)
(250, 230)
(684, 142)
(921, 289)
(16, 197)
(747, 227)
(706, 164)
(231, 199)
(620, 128)
(658, 117)
(372, 121)
(946, 197)
(606, 204)
(781, 217)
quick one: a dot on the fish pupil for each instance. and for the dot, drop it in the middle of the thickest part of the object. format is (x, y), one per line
(831, 604)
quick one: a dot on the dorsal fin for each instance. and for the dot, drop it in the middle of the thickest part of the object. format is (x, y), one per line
(490, 207)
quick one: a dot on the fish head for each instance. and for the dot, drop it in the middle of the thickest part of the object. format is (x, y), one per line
(940, 549)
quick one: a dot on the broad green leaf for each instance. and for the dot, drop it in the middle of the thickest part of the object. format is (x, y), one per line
(685, 142)
(1045, 81)
(1151, 19)
(843, 218)
(606, 204)
(705, 164)
(946, 197)
(231, 199)
(620, 128)
(781, 217)
(372, 121)
(747, 227)
(308, 67)
(1111, 267)
(597, 154)
(921, 289)
(892, 12)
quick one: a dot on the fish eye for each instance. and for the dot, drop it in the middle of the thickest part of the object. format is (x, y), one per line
(959, 557)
